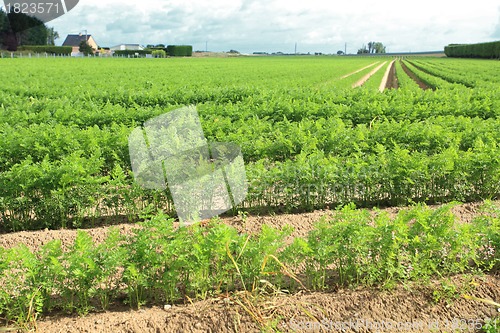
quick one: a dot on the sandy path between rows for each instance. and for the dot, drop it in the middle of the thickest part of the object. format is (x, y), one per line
(414, 77)
(359, 70)
(302, 224)
(383, 83)
(369, 75)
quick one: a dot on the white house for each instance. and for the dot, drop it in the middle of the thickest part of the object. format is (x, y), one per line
(127, 47)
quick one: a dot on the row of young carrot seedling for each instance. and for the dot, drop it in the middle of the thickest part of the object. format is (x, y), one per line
(162, 264)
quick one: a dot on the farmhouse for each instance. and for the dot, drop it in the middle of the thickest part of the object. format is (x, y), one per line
(75, 40)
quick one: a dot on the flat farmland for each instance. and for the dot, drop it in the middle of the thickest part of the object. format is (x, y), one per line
(308, 138)
(317, 134)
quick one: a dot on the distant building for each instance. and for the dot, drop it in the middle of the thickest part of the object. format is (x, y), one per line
(127, 47)
(75, 40)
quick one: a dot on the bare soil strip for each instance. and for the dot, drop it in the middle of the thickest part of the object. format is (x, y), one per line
(405, 305)
(359, 70)
(385, 80)
(414, 77)
(393, 82)
(369, 75)
(302, 224)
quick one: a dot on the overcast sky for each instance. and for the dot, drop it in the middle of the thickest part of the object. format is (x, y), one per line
(276, 25)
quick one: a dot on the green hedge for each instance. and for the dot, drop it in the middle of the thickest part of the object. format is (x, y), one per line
(47, 49)
(180, 50)
(159, 54)
(482, 50)
(132, 53)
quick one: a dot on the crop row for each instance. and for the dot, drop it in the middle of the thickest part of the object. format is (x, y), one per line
(307, 142)
(431, 80)
(447, 75)
(258, 138)
(357, 106)
(161, 264)
(404, 81)
(53, 172)
(470, 74)
(386, 178)
(480, 71)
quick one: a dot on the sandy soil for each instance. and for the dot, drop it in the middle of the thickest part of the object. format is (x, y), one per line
(392, 79)
(302, 224)
(385, 80)
(359, 70)
(414, 77)
(369, 75)
(363, 308)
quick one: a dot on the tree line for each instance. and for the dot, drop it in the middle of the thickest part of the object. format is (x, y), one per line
(373, 47)
(17, 29)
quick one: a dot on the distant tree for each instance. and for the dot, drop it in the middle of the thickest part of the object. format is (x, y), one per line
(370, 47)
(3, 20)
(85, 48)
(3, 26)
(379, 47)
(52, 36)
(373, 47)
(27, 29)
(160, 46)
(20, 29)
(8, 38)
(363, 50)
(234, 51)
(340, 52)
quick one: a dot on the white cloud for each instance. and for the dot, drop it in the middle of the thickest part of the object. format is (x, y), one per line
(496, 32)
(275, 25)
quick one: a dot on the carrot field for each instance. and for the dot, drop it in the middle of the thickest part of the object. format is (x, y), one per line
(310, 138)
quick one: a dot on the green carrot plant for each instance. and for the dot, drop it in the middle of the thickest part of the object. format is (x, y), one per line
(160, 263)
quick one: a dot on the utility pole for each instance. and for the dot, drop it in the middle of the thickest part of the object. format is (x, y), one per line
(345, 49)
(206, 46)
(295, 47)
